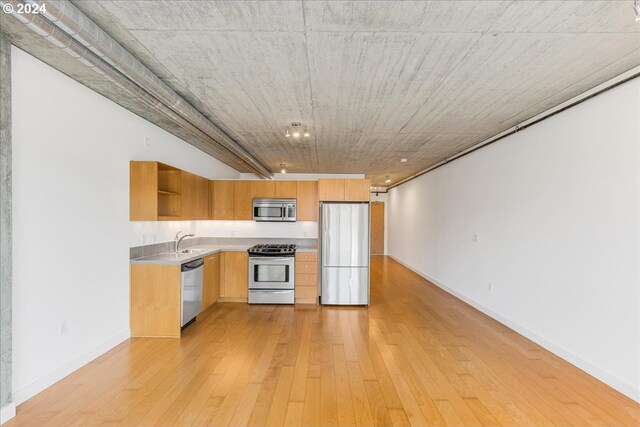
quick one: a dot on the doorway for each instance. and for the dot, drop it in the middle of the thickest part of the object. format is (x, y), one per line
(377, 228)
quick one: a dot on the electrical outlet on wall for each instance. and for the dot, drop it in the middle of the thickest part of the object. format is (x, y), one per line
(474, 237)
(63, 328)
(490, 287)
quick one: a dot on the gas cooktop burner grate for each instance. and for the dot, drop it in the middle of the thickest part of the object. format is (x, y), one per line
(272, 249)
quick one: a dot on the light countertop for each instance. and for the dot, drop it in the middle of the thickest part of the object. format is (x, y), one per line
(201, 251)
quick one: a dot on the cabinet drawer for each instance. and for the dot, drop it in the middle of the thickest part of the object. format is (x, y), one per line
(306, 267)
(306, 256)
(306, 292)
(303, 279)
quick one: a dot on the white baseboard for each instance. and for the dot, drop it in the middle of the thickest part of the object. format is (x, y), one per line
(56, 375)
(593, 370)
(7, 412)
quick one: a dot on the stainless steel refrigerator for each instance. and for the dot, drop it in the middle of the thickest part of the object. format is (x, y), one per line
(344, 253)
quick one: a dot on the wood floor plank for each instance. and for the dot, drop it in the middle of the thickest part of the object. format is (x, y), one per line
(416, 356)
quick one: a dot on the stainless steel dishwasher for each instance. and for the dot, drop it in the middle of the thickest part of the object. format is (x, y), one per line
(191, 291)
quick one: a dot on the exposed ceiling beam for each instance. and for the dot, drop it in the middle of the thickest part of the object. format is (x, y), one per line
(68, 28)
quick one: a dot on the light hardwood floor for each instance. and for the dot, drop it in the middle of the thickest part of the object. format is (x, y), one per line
(417, 356)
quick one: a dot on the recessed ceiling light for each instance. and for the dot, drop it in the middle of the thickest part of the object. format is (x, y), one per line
(403, 160)
(283, 170)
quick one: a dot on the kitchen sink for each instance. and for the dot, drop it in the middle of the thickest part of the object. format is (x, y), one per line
(192, 251)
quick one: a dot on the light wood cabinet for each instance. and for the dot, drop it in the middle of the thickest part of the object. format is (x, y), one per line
(307, 195)
(357, 190)
(242, 200)
(155, 300)
(211, 281)
(235, 276)
(201, 197)
(188, 196)
(344, 190)
(222, 201)
(306, 287)
(264, 189)
(286, 189)
(306, 267)
(160, 192)
(154, 192)
(331, 190)
(195, 197)
(307, 257)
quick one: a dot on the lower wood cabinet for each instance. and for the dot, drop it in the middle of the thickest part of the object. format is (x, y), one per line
(211, 281)
(235, 277)
(306, 288)
(155, 300)
(155, 292)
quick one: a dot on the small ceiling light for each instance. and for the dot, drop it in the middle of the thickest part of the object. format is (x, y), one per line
(283, 170)
(387, 179)
(297, 129)
(636, 7)
(403, 160)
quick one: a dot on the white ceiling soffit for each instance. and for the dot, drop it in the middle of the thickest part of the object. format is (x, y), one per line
(375, 81)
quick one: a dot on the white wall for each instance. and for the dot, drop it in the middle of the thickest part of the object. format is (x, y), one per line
(71, 153)
(556, 211)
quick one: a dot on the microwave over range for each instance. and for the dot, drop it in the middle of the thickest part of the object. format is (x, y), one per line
(274, 210)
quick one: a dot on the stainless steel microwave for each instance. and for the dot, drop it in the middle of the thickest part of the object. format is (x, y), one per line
(274, 210)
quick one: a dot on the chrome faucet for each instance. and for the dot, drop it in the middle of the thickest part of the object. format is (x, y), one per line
(179, 239)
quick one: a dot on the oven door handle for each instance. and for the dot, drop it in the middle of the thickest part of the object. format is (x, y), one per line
(255, 291)
(266, 259)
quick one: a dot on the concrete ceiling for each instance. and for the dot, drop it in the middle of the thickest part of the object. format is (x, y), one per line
(374, 81)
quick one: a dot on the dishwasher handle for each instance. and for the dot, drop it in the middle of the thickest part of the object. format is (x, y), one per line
(192, 265)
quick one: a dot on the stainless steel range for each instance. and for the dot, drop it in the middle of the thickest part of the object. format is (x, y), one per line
(271, 274)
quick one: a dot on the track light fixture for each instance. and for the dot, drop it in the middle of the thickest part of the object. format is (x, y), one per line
(297, 129)
(636, 8)
(387, 179)
(282, 169)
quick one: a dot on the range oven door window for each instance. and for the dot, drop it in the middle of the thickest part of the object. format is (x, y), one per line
(266, 273)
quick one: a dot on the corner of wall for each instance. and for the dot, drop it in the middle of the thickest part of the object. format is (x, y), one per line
(25, 393)
(7, 412)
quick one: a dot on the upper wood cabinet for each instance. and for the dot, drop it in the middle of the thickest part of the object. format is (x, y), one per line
(307, 200)
(331, 190)
(357, 190)
(264, 189)
(286, 189)
(159, 192)
(202, 197)
(188, 196)
(242, 199)
(154, 192)
(195, 196)
(344, 190)
(222, 200)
